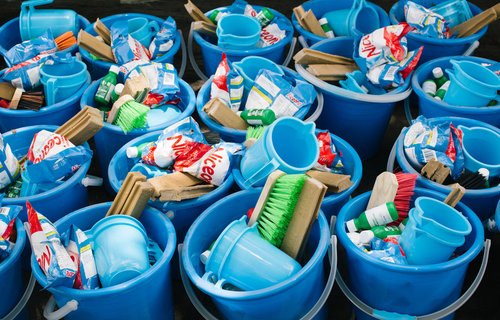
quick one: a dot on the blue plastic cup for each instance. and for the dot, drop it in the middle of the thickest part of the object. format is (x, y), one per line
(440, 220)
(476, 77)
(238, 31)
(481, 149)
(454, 11)
(288, 144)
(360, 18)
(63, 80)
(33, 23)
(242, 258)
(120, 246)
(143, 30)
(250, 66)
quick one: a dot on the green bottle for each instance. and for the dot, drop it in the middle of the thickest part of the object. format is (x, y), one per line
(402, 225)
(326, 28)
(380, 232)
(215, 16)
(429, 87)
(265, 16)
(439, 77)
(442, 91)
(106, 87)
(377, 216)
(14, 190)
(258, 117)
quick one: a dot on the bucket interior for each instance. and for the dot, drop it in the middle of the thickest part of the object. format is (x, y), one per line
(445, 216)
(482, 148)
(478, 74)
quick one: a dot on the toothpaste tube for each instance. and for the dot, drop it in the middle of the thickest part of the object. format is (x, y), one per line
(164, 39)
(270, 35)
(425, 21)
(26, 75)
(283, 95)
(125, 48)
(211, 164)
(227, 85)
(171, 143)
(51, 255)
(52, 157)
(8, 215)
(80, 251)
(330, 159)
(26, 50)
(9, 166)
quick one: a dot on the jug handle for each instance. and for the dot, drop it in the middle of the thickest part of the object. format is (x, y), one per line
(261, 174)
(332, 255)
(27, 5)
(384, 315)
(154, 26)
(51, 87)
(50, 314)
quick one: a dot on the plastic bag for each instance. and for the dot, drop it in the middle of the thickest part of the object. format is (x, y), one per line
(164, 39)
(51, 255)
(282, 94)
(44, 44)
(8, 215)
(80, 251)
(9, 166)
(329, 158)
(426, 22)
(26, 75)
(125, 48)
(388, 250)
(227, 84)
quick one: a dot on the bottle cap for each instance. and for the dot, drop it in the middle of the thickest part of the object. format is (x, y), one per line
(114, 68)
(437, 72)
(366, 236)
(92, 181)
(354, 236)
(132, 152)
(119, 88)
(351, 227)
(204, 256)
(491, 224)
(268, 14)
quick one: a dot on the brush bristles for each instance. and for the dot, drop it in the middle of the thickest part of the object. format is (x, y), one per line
(406, 187)
(132, 115)
(255, 132)
(279, 207)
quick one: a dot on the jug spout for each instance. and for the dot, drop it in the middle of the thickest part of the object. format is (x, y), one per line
(308, 127)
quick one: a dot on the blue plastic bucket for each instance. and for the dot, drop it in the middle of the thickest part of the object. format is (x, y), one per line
(99, 68)
(237, 135)
(111, 137)
(61, 200)
(436, 48)
(11, 273)
(430, 107)
(361, 119)
(333, 202)
(289, 299)
(55, 114)
(320, 7)
(212, 54)
(481, 201)
(148, 296)
(181, 213)
(412, 290)
(10, 35)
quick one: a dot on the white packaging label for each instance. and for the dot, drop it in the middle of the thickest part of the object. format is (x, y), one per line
(378, 216)
(413, 132)
(283, 107)
(46, 144)
(12, 166)
(212, 167)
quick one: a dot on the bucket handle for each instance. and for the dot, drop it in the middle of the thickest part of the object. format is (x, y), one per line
(303, 42)
(50, 314)
(332, 254)
(392, 155)
(380, 314)
(319, 108)
(184, 55)
(202, 75)
(472, 48)
(23, 301)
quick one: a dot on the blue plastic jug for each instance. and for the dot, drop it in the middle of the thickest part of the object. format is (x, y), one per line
(359, 19)
(481, 149)
(250, 66)
(454, 11)
(238, 31)
(32, 23)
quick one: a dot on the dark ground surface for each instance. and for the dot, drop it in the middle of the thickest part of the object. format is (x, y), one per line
(483, 305)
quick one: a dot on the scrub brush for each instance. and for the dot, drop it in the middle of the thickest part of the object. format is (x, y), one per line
(474, 180)
(276, 205)
(128, 114)
(406, 189)
(253, 134)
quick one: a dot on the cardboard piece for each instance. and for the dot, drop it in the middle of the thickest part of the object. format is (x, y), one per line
(103, 31)
(306, 212)
(218, 111)
(116, 106)
(196, 13)
(82, 126)
(299, 12)
(138, 87)
(131, 179)
(137, 200)
(184, 193)
(330, 71)
(335, 183)
(178, 186)
(94, 46)
(384, 189)
(205, 28)
(16, 98)
(455, 195)
(6, 90)
(311, 56)
(476, 23)
(435, 171)
(312, 24)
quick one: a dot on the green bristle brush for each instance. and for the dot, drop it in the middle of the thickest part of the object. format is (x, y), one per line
(128, 114)
(253, 133)
(276, 205)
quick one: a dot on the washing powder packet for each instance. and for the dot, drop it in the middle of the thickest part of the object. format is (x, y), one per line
(125, 48)
(26, 50)
(52, 157)
(442, 142)
(388, 250)
(211, 164)
(50, 253)
(329, 159)
(26, 75)
(164, 39)
(282, 94)
(227, 84)
(9, 166)
(8, 215)
(79, 249)
(273, 33)
(171, 143)
(425, 21)
(163, 81)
